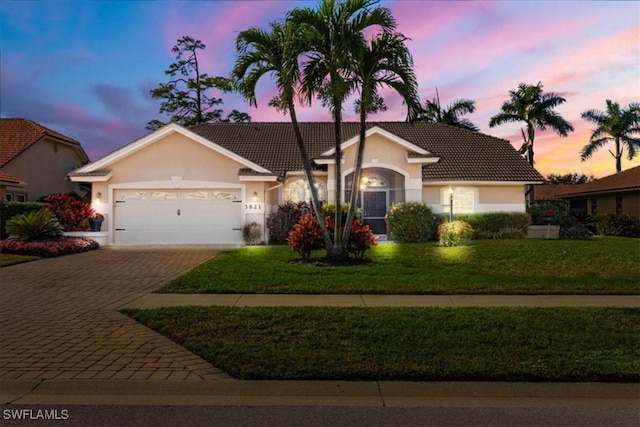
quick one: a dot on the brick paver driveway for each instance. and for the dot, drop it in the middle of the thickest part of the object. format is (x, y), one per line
(59, 318)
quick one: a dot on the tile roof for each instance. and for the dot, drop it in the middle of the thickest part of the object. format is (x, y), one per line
(550, 191)
(16, 135)
(6, 177)
(464, 155)
(628, 180)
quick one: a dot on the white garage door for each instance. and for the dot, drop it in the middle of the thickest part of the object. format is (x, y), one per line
(211, 216)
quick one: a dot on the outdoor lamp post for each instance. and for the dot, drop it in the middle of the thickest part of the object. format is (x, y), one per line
(450, 204)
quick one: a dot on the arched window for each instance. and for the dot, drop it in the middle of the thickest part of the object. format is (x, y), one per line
(297, 190)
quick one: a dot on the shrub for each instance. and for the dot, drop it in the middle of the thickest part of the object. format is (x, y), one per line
(37, 225)
(49, 248)
(360, 239)
(409, 222)
(329, 211)
(284, 219)
(73, 214)
(576, 226)
(621, 225)
(546, 212)
(251, 233)
(455, 233)
(492, 225)
(10, 209)
(306, 236)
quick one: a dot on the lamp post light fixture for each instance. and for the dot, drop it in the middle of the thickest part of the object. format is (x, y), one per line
(450, 204)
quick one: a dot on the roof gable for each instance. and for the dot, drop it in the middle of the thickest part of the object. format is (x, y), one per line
(376, 130)
(17, 135)
(158, 135)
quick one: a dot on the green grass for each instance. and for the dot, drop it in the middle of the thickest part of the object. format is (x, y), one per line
(426, 344)
(11, 259)
(600, 266)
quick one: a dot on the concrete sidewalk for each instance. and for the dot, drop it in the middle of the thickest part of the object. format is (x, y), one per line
(316, 393)
(332, 300)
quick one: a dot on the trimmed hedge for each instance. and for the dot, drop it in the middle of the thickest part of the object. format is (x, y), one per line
(497, 225)
(10, 209)
(49, 248)
(410, 222)
(621, 225)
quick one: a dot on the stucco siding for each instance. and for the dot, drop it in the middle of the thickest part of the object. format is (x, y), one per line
(175, 155)
(44, 167)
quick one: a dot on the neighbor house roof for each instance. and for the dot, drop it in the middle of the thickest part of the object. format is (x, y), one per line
(463, 155)
(7, 178)
(16, 135)
(628, 180)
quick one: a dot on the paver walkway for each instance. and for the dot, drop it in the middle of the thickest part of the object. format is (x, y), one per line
(59, 318)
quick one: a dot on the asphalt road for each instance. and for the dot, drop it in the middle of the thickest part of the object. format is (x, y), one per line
(103, 415)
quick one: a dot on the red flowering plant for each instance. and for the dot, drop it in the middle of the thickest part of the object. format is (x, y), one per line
(48, 248)
(72, 214)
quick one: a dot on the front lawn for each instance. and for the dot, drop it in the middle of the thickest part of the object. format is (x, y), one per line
(606, 265)
(12, 259)
(415, 344)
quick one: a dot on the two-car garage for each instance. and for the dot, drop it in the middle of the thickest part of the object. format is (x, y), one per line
(177, 216)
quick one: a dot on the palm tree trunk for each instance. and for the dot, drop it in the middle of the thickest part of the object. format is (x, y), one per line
(357, 173)
(328, 244)
(337, 252)
(531, 136)
(618, 156)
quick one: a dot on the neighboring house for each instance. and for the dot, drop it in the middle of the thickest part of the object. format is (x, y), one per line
(613, 194)
(35, 161)
(203, 184)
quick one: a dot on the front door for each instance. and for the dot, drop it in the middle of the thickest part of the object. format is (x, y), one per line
(374, 209)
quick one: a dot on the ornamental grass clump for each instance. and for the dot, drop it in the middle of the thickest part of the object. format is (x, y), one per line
(455, 233)
(39, 225)
(409, 222)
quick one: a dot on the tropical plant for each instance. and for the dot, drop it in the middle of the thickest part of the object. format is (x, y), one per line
(37, 225)
(282, 221)
(186, 95)
(251, 233)
(306, 236)
(276, 53)
(529, 104)
(618, 125)
(334, 32)
(73, 214)
(455, 233)
(386, 61)
(449, 115)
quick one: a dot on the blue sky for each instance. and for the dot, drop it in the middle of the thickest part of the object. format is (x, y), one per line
(85, 68)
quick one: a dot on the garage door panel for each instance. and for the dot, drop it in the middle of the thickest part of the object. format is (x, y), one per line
(185, 216)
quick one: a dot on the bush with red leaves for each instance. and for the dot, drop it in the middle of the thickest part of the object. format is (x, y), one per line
(72, 214)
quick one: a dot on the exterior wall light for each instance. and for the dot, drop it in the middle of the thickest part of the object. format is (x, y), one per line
(254, 197)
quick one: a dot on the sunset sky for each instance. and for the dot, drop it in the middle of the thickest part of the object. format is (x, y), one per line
(85, 68)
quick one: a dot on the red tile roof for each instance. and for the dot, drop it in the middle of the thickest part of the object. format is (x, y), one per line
(16, 135)
(464, 155)
(628, 180)
(7, 178)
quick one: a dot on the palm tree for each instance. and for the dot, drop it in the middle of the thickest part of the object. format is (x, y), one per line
(614, 125)
(276, 53)
(450, 115)
(333, 31)
(530, 105)
(385, 62)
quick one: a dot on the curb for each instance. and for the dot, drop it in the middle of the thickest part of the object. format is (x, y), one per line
(317, 393)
